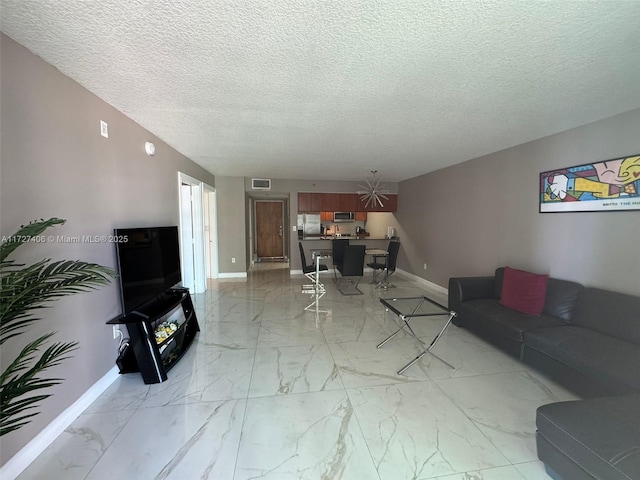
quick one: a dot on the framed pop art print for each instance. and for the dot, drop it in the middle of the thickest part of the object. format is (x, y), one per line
(609, 185)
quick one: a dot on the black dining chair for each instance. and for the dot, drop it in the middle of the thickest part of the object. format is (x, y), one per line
(337, 254)
(389, 265)
(310, 270)
(352, 268)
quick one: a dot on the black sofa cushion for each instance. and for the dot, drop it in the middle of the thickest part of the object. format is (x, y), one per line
(591, 439)
(613, 313)
(562, 297)
(489, 314)
(598, 356)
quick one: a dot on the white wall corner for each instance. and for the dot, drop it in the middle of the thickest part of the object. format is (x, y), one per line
(21, 460)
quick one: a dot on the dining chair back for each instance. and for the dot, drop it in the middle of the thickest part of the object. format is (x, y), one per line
(352, 268)
(337, 253)
(393, 249)
(387, 266)
(309, 270)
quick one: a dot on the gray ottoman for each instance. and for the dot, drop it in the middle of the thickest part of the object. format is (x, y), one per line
(591, 439)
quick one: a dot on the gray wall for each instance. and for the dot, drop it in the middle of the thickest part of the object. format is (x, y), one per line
(473, 217)
(55, 163)
(231, 225)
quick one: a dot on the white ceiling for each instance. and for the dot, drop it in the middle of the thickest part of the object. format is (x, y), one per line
(332, 89)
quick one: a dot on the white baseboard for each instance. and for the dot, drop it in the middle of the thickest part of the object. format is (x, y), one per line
(426, 283)
(232, 275)
(21, 460)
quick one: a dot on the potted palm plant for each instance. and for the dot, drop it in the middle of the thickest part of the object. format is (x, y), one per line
(25, 291)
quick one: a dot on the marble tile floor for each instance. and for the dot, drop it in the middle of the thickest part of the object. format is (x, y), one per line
(269, 391)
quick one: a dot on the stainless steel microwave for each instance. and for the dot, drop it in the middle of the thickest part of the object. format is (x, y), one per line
(343, 217)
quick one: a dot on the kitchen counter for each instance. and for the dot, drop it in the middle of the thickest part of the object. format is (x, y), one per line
(348, 237)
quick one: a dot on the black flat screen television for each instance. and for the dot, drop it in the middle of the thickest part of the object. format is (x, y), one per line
(149, 263)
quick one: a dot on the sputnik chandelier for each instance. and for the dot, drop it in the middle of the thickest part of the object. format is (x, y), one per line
(374, 191)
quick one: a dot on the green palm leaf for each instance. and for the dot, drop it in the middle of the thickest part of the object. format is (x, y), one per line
(34, 287)
(23, 291)
(26, 232)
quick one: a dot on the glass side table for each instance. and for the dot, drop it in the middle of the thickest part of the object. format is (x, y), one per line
(409, 308)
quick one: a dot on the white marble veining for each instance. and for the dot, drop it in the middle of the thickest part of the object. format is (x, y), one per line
(361, 364)
(76, 451)
(358, 326)
(300, 329)
(306, 436)
(270, 391)
(175, 442)
(469, 355)
(205, 374)
(499, 473)
(503, 407)
(532, 470)
(299, 369)
(414, 431)
(232, 335)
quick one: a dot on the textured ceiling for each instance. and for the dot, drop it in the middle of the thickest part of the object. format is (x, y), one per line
(332, 89)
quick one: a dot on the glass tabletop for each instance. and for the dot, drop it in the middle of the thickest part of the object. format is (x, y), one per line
(414, 306)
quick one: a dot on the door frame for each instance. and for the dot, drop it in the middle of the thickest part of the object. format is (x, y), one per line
(211, 232)
(254, 224)
(196, 256)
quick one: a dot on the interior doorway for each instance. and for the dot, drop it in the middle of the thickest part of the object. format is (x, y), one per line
(210, 231)
(196, 243)
(269, 217)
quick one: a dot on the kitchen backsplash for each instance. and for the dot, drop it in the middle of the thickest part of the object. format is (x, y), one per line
(344, 228)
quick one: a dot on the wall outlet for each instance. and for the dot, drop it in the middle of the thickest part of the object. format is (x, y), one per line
(294, 228)
(116, 331)
(424, 267)
(104, 129)
(233, 259)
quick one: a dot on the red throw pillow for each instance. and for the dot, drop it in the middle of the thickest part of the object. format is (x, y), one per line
(524, 291)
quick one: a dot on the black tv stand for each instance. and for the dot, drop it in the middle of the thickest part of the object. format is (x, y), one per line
(154, 359)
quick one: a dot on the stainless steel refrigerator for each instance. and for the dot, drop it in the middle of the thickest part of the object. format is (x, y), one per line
(311, 223)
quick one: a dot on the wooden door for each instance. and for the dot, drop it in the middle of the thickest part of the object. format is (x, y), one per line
(269, 229)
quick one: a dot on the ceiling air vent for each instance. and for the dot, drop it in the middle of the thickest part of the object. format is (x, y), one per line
(261, 183)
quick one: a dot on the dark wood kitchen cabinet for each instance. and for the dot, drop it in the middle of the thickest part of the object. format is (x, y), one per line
(316, 202)
(304, 202)
(348, 202)
(331, 203)
(341, 202)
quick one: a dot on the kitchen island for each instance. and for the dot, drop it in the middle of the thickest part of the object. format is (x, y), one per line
(355, 239)
(322, 242)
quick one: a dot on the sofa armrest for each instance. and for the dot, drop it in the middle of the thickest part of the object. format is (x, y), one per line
(462, 289)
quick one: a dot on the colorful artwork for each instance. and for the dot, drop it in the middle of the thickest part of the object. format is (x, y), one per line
(601, 186)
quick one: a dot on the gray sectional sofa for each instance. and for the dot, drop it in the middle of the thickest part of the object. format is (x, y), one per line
(586, 339)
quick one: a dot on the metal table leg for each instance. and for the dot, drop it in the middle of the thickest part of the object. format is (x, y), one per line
(431, 345)
(407, 327)
(404, 320)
